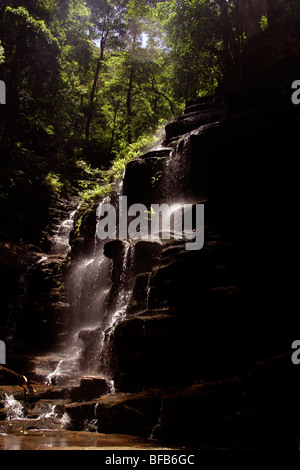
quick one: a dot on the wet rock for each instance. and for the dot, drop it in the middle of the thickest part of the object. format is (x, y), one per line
(38, 392)
(184, 414)
(90, 388)
(141, 179)
(80, 413)
(137, 414)
(139, 297)
(40, 304)
(158, 153)
(145, 350)
(82, 240)
(225, 413)
(192, 121)
(14, 260)
(46, 408)
(146, 255)
(115, 250)
(204, 100)
(22, 427)
(198, 106)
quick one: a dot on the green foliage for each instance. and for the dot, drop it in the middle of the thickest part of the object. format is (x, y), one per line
(2, 54)
(54, 182)
(194, 38)
(127, 153)
(20, 17)
(89, 82)
(98, 192)
(263, 23)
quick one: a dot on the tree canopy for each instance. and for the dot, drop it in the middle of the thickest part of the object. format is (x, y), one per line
(88, 79)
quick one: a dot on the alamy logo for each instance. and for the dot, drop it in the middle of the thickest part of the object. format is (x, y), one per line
(296, 354)
(296, 94)
(2, 92)
(160, 222)
(2, 352)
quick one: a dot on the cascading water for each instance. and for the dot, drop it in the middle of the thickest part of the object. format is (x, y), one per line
(14, 409)
(60, 239)
(159, 422)
(87, 285)
(118, 313)
(92, 324)
(174, 183)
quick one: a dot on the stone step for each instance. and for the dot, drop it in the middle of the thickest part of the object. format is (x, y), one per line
(204, 113)
(203, 99)
(190, 123)
(203, 107)
(158, 153)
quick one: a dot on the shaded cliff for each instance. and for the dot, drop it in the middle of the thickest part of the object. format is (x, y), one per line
(216, 310)
(201, 356)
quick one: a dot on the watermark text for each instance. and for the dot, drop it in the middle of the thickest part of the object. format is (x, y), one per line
(161, 222)
(2, 352)
(2, 92)
(296, 93)
(296, 354)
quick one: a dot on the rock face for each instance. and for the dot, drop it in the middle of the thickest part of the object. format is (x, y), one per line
(206, 313)
(141, 178)
(196, 114)
(34, 306)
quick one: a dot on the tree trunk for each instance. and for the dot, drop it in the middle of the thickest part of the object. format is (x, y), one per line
(226, 32)
(129, 106)
(114, 126)
(160, 93)
(90, 111)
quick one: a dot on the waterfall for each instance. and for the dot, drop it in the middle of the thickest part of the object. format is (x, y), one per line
(118, 313)
(175, 179)
(91, 324)
(87, 284)
(159, 422)
(93, 319)
(14, 409)
(60, 239)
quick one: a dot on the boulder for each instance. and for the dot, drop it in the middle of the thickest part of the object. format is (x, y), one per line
(90, 388)
(115, 250)
(157, 153)
(141, 180)
(193, 120)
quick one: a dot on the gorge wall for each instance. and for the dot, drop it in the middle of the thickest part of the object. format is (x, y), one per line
(183, 336)
(168, 315)
(214, 311)
(204, 336)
